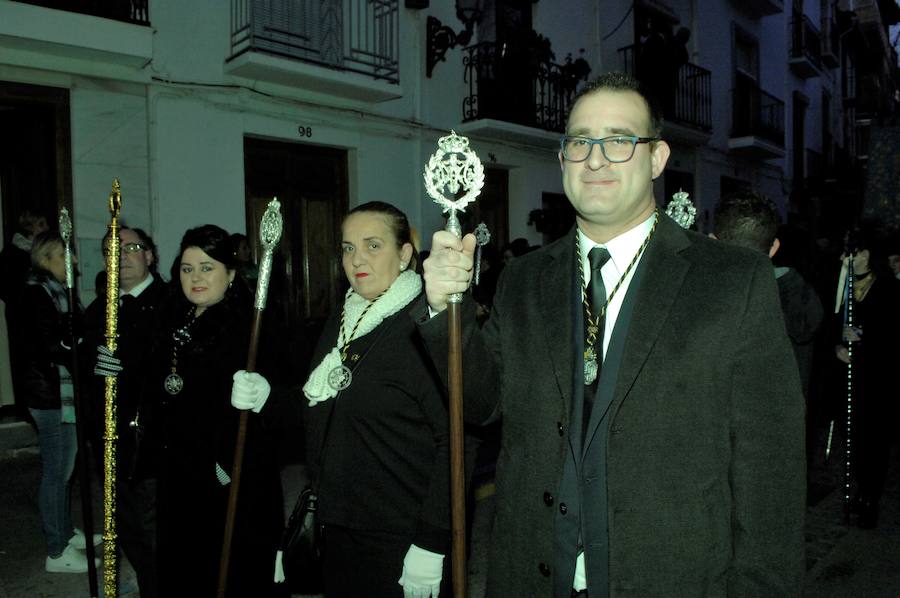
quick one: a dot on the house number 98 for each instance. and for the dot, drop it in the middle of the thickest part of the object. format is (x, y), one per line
(305, 131)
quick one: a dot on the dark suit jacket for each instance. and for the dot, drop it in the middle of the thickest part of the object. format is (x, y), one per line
(704, 433)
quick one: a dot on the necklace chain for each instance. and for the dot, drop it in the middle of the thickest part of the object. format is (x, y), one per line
(594, 323)
(359, 320)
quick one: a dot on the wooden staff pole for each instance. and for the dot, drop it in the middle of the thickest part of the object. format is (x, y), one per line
(457, 450)
(87, 514)
(454, 176)
(270, 232)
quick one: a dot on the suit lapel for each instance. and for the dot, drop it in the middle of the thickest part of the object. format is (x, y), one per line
(655, 296)
(555, 288)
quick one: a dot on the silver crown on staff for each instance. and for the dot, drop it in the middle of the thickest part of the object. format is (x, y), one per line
(453, 167)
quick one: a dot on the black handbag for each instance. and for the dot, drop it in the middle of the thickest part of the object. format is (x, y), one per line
(301, 546)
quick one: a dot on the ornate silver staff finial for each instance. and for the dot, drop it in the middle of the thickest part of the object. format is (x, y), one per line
(482, 237)
(452, 169)
(269, 234)
(65, 231)
(681, 209)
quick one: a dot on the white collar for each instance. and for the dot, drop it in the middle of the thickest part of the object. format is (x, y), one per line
(621, 248)
(139, 287)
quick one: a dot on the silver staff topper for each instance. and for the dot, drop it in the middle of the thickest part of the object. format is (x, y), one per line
(452, 169)
(269, 234)
(65, 231)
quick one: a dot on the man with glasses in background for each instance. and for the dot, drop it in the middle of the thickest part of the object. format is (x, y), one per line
(141, 295)
(652, 440)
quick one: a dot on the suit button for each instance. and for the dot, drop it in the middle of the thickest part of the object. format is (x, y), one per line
(544, 569)
(548, 499)
(563, 508)
(559, 428)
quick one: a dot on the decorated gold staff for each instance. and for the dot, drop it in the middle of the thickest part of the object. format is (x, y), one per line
(269, 234)
(65, 231)
(452, 169)
(110, 436)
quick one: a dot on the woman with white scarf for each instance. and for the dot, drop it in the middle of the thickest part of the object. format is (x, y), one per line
(47, 386)
(381, 464)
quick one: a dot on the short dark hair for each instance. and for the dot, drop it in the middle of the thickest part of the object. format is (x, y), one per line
(747, 219)
(398, 222)
(214, 241)
(619, 81)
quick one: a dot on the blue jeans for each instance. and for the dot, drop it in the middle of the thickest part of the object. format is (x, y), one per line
(58, 448)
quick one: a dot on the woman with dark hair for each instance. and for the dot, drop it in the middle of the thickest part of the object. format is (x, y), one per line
(49, 395)
(205, 339)
(376, 422)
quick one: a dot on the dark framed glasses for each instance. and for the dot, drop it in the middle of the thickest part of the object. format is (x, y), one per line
(616, 148)
(128, 248)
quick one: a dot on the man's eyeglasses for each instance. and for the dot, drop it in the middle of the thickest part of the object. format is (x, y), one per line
(128, 248)
(617, 148)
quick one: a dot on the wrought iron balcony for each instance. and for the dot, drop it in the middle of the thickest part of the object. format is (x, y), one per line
(535, 93)
(357, 36)
(688, 93)
(757, 120)
(127, 11)
(806, 47)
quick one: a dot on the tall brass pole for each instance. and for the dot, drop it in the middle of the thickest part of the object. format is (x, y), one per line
(269, 234)
(87, 514)
(454, 176)
(110, 436)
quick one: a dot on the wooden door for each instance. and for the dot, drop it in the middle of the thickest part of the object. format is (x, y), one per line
(307, 283)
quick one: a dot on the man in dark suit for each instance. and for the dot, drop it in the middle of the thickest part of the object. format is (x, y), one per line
(677, 469)
(141, 294)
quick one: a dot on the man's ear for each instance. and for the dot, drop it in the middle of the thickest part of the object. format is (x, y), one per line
(776, 245)
(658, 157)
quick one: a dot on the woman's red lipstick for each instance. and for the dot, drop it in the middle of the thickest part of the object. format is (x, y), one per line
(361, 274)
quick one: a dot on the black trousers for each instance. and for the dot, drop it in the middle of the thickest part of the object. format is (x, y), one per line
(137, 531)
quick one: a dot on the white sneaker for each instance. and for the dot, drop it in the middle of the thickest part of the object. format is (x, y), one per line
(70, 561)
(80, 543)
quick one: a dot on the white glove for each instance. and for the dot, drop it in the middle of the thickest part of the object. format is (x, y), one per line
(422, 572)
(249, 391)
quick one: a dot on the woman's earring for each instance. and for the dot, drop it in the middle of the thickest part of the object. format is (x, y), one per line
(402, 266)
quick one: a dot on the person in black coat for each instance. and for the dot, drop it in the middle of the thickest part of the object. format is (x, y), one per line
(376, 422)
(874, 334)
(48, 391)
(205, 336)
(15, 262)
(142, 294)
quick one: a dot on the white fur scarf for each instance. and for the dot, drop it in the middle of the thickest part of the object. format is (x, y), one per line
(406, 288)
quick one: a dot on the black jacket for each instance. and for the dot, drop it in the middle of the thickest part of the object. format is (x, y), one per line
(138, 325)
(41, 347)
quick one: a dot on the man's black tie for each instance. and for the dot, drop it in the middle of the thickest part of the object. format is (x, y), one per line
(598, 256)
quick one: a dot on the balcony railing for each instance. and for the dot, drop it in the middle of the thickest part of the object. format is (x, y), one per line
(830, 57)
(690, 88)
(128, 11)
(806, 41)
(755, 112)
(535, 94)
(360, 36)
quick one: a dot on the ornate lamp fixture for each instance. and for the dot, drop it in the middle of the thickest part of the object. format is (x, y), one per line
(442, 38)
